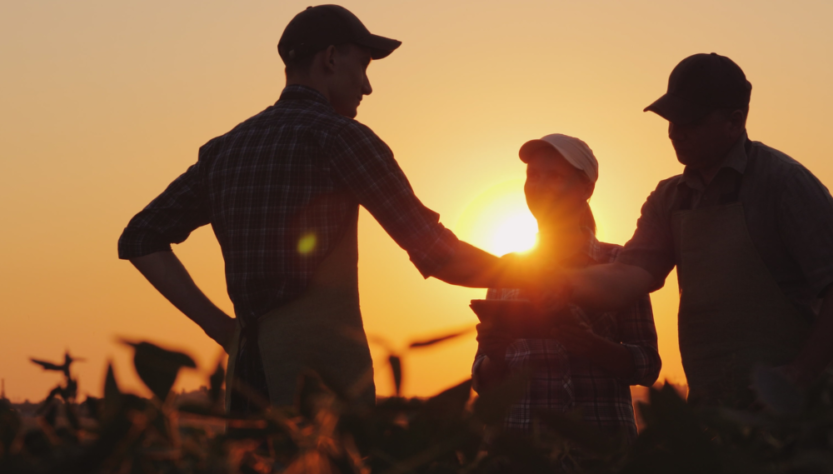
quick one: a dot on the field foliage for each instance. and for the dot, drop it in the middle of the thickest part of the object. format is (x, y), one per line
(452, 432)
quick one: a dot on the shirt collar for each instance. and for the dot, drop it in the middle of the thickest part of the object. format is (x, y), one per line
(736, 160)
(299, 92)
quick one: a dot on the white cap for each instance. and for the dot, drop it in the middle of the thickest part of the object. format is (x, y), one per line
(575, 151)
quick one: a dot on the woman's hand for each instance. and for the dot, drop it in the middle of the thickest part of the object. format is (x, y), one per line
(573, 332)
(493, 345)
(578, 338)
(492, 342)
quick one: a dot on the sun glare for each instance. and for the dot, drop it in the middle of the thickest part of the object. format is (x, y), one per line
(516, 233)
(498, 220)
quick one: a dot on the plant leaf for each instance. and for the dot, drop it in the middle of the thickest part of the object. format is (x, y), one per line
(449, 404)
(157, 367)
(216, 380)
(435, 340)
(396, 371)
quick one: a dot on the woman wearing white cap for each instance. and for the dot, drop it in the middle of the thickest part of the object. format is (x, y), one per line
(591, 358)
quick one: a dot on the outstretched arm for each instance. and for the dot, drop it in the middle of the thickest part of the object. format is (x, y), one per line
(472, 267)
(609, 287)
(167, 274)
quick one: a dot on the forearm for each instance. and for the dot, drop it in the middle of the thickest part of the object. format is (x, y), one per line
(817, 352)
(475, 268)
(472, 267)
(608, 287)
(167, 274)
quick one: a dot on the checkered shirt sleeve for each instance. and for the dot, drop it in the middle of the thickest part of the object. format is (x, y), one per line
(368, 169)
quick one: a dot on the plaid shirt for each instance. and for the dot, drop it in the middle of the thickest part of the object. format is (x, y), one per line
(279, 190)
(562, 381)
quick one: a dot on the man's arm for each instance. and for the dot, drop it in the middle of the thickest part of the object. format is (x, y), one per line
(472, 267)
(167, 274)
(817, 352)
(805, 221)
(609, 287)
(146, 243)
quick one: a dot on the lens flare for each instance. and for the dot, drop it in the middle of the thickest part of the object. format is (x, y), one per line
(306, 244)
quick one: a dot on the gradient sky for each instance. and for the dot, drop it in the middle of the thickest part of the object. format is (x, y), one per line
(104, 103)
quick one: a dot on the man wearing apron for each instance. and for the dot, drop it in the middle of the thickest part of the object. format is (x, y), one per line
(750, 231)
(282, 192)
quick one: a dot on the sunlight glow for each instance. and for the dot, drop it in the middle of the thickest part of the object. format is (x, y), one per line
(517, 233)
(498, 220)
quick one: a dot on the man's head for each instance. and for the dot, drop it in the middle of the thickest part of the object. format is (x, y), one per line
(706, 106)
(328, 48)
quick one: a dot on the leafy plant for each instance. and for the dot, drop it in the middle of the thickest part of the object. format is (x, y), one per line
(791, 431)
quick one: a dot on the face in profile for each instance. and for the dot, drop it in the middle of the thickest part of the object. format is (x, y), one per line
(704, 142)
(349, 82)
(554, 189)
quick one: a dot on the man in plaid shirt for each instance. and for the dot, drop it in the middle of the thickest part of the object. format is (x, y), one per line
(281, 192)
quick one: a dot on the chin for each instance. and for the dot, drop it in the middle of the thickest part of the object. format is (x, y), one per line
(683, 159)
(349, 113)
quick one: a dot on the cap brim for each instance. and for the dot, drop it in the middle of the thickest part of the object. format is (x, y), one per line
(380, 47)
(529, 148)
(677, 110)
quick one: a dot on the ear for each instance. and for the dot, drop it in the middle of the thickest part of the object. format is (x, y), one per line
(737, 122)
(588, 189)
(328, 58)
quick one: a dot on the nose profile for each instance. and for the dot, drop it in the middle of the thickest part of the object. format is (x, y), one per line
(366, 88)
(674, 132)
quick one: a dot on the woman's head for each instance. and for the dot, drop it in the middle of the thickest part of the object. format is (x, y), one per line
(560, 177)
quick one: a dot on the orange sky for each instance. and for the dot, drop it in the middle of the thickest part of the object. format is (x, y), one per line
(103, 103)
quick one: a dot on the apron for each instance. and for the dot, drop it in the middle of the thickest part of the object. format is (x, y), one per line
(321, 330)
(733, 315)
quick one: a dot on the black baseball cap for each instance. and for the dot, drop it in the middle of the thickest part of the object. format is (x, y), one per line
(318, 27)
(700, 84)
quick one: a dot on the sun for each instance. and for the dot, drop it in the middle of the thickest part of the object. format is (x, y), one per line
(498, 220)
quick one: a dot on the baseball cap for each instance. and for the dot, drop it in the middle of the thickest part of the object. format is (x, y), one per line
(321, 26)
(575, 151)
(700, 84)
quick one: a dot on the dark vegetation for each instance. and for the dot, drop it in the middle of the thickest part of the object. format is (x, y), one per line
(792, 432)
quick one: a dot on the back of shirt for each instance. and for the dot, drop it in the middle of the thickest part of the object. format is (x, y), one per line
(279, 190)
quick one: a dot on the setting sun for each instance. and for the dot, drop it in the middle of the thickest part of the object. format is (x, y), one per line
(498, 220)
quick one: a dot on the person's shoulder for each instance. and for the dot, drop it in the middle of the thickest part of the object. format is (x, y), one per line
(261, 121)
(779, 168)
(668, 185)
(351, 127)
(665, 193)
(775, 161)
(354, 135)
